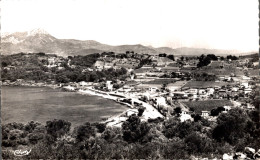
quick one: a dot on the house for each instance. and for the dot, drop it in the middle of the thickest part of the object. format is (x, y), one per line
(246, 78)
(109, 85)
(51, 61)
(210, 91)
(235, 89)
(255, 64)
(204, 113)
(141, 71)
(221, 78)
(131, 112)
(83, 83)
(249, 106)
(190, 67)
(154, 74)
(192, 91)
(222, 93)
(202, 91)
(245, 84)
(99, 65)
(153, 89)
(108, 65)
(70, 88)
(247, 90)
(127, 88)
(147, 66)
(180, 95)
(227, 108)
(160, 101)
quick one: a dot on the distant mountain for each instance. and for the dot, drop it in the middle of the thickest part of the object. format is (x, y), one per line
(39, 40)
(199, 51)
(166, 50)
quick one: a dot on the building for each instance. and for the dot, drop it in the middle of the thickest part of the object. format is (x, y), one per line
(204, 113)
(109, 85)
(210, 91)
(247, 90)
(245, 84)
(202, 91)
(246, 78)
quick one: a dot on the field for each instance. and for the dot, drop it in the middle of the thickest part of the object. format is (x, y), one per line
(207, 105)
(223, 71)
(160, 81)
(253, 72)
(204, 84)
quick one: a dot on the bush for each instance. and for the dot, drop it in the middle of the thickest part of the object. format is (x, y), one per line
(133, 129)
(57, 128)
(141, 111)
(83, 132)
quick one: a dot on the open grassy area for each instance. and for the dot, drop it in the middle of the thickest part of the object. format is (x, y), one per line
(207, 105)
(160, 81)
(218, 71)
(253, 72)
(204, 84)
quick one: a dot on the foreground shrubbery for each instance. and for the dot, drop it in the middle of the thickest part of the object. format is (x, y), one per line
(169, 139)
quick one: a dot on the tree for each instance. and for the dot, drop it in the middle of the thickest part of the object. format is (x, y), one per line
(212, 57)
(215, 112)
(171, 57)
(111, 134)
(57, 128)
(197, 118)
(100, 127)
(141, 111)
(231, 126)
(83, 132)
(232, 57)
(175, 128)
(133, 129)
(177, 110)
(61, 78)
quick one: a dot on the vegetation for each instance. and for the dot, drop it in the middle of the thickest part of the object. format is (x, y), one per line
(205, 60)
(74, 69)
(232, 57)
(168, 139)
(207, 105)
(204, 84)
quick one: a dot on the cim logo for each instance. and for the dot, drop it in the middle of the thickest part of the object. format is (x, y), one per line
(22, 153)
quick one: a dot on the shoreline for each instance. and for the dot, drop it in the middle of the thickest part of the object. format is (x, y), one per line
(88, 91)
(113, 120)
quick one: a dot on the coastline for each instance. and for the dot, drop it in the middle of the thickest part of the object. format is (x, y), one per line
(113, 120)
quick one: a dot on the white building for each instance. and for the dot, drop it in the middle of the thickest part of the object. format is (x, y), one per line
(247, 90)
(245, 84)
(202, 91)
(160, 101)
(210, 91)
(109, 85)
(204, 113)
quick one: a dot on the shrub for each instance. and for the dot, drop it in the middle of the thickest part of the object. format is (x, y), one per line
(57, 128)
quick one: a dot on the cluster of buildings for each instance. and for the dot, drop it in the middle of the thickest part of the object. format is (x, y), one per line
(149, 83)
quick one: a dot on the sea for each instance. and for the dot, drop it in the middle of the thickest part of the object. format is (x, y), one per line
(41, 104)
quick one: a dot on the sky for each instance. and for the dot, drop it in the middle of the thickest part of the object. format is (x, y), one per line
(212, 24)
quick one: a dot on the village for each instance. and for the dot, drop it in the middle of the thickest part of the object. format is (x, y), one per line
(163, 86)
